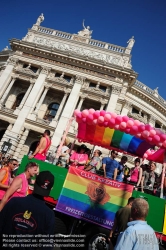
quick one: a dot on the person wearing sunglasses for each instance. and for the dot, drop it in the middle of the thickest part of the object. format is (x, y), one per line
(19, 185)
(110, 165)
(5, 176)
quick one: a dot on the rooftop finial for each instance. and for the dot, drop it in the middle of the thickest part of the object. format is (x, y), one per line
(40, 19)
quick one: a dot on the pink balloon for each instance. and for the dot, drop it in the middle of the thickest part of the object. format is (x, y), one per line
(76, 112)
(148, 152)
(111, 123)
(91, 111)
(158, 132)
(79, 120)
(163, 137)
(94, 121)
(118, 119)
(125, 118)
(149, 139)
(96, 114)
(130, 123)
(138, 135)
(148, 127)
(136, 123)
(116, 127)
(164, 144)
(156, 138)
(107, 117)
(159, 144)
(141, 128)
(145, 133)
(134, 129)
(127, 130)
(105, 124)
(85, 113)
(113, 115)
(84, 119)
(102, 112)
(152, 132)
(145, 155)
(100, 119)
(90, 117)
(122, 125)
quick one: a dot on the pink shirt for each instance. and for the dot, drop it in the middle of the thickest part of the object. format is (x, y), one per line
(134, 175)
(22, 192)
(79, 157)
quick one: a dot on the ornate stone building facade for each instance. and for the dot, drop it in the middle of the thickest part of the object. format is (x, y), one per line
(48, 74)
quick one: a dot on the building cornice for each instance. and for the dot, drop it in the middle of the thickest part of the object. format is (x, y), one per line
(63, 56)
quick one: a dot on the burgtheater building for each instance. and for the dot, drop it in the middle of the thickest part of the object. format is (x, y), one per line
(49, 73)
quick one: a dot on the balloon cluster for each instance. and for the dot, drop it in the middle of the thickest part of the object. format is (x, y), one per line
(122, 123)
(148, 153)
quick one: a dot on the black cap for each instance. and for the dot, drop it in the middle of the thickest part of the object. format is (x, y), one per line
(83, 146)
(44, 183)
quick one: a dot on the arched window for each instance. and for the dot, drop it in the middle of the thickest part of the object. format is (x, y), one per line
(51, 112)
(18, 100)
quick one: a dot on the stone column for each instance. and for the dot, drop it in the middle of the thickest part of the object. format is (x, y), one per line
(41, 99)
(103, 103)
(21, 143)
(6, 75)
(68, 111)
(82, 98)
(152, 120)
(28, 104)
(8, 89)
(54, 121)
(126, 108)
(113, 98)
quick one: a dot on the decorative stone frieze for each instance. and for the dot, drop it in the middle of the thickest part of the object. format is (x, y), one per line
(79, 79)
(116, 90)
(152, 119)
(12, 61)
(45, 70)
(81, 51)
(138, 117)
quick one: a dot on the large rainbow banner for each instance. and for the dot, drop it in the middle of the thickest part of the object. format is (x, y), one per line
(112, 139)
(91, 197)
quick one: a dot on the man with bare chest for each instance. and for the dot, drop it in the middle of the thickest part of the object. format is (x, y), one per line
(43, 147)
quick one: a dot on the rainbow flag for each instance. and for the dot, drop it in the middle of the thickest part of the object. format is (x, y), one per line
(91, 197)
(112, 139)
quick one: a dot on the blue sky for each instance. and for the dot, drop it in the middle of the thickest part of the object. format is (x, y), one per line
(113, 21)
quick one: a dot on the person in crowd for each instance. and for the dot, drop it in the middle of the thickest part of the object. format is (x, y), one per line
(136, 174)
(64, 157)
(80, 158)
(138, 235)
(94, 162)
(122, 217)
(110, 165)
(19, 186)
(30, 215)
(149, 177)
(5, 176)
(121, 166)
(41, 150)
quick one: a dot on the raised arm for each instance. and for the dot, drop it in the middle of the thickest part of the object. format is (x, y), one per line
(83, 24)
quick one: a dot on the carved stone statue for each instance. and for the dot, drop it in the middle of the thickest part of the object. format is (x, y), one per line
(86, 32)
(40, 19)
(131, 42)
(156, 90)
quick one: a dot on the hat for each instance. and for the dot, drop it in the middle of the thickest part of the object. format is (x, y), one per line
(83, 146)
(44, 183)
(64, 148)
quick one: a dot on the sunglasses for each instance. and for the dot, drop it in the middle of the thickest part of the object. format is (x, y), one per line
(116, 153)
(14, 164)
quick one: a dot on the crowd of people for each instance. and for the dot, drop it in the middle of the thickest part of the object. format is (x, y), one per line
(13, 186)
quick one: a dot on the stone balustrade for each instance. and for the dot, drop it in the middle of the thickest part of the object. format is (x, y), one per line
(151, 92)
(92, 42)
